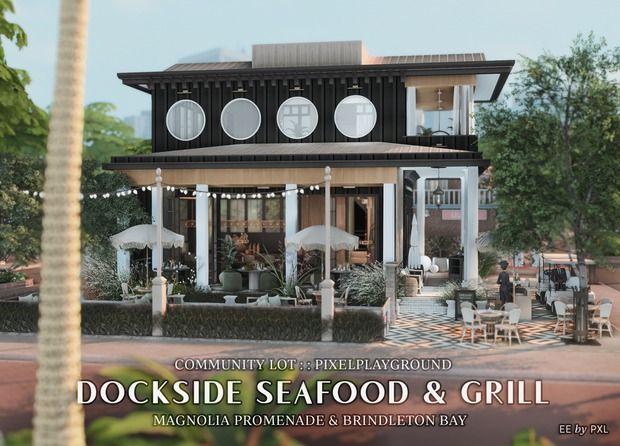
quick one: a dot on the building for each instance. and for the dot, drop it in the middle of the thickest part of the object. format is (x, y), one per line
(248, 136)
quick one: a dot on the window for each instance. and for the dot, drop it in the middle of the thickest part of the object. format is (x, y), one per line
(237, 215)
(297, 117)
(185, 120)
(240, 119)
(355, 116)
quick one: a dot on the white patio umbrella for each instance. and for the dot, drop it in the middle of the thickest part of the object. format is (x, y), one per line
(413, 259)
(313, 237)
(145, 236)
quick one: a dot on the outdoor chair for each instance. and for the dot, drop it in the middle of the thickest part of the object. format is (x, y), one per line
(128, 294)
(467, 305)
(472, 323)
(144, 299)
(174, 298)
(257, 301)
(604, 300)
(508, 326)
(602, 320)
(509, 306)
(561, 313)
(302, 299)
(342, 300)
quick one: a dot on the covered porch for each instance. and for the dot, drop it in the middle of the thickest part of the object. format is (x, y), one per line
(262, 193)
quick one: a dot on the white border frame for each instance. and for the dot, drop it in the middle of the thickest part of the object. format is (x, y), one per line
(374, 123)
(260, 118)
(204, 121)
(308, 101)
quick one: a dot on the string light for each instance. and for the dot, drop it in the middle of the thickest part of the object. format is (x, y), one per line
(183, 191)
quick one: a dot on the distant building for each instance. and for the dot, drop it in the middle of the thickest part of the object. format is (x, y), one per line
(141, 124)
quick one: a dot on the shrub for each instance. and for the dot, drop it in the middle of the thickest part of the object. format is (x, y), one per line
(7, 276)
(358, 326)
(19, 317)
(100, 279)
(97, 318)
(226, 322)
(367, 284)
(215, 322)
(487, 263)
(100, 318)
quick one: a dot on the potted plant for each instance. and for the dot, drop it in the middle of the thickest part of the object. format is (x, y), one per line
(447, 297)
(231, 280)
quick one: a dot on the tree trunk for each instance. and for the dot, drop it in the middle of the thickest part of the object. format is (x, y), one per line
(580, 335)
(58, 419)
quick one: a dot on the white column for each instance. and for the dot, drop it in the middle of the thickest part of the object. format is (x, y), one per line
(123, 264)
(470, 276)
(463, 208)
(327, 285)
(202, 236)
(291, 225)
(158, 288)
(389, 222)
(421, 211)
(154, 205)
(412, 121)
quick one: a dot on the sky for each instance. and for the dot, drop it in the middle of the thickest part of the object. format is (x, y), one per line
(150, 35)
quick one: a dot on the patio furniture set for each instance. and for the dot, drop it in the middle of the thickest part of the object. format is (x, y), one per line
(501, 324)
(598, 320)
(141, 294)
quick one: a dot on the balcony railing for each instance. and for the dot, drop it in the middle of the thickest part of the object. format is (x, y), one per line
(452, 198)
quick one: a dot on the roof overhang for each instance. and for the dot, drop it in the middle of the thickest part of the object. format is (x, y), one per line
(497, 71)
(302, 155)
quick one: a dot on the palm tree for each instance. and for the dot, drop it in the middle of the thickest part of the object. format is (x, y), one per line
(58, 419)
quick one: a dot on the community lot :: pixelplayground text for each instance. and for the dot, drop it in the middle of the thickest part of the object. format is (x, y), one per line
(310, 392)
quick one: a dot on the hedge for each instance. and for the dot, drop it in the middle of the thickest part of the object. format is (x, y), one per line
(116, 319)
(226, 322)
(97, 318)
(19, 317)
(209, 321)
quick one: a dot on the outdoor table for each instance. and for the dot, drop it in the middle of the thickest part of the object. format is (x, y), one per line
(230, 299)
(592, 308)
(490, 318)
(317, 295)
(253, 278)
(175, 270)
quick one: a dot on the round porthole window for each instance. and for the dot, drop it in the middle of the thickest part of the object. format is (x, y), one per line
(297, 117)
(240, 119)
(185, 120)
(355, 116)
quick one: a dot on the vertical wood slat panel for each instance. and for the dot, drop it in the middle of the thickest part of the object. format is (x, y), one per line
(387, 97)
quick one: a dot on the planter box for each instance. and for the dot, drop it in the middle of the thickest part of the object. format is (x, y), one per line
(13, 289)
(19, 284)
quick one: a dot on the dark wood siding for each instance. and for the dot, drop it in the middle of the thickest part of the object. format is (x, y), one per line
(386, 92)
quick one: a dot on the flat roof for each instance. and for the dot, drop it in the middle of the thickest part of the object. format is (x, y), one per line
(342, 154)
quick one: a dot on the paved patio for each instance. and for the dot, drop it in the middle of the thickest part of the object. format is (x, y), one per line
(439, 331)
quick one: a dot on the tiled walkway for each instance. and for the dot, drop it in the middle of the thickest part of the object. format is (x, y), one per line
(439, 331)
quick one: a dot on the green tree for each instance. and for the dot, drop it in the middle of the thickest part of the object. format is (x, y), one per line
(106, 135)
(556, 168)
(103, 217)
(20, 213)
(23, 125)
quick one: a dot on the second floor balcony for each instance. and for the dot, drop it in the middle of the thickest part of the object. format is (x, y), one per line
(452, 199)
